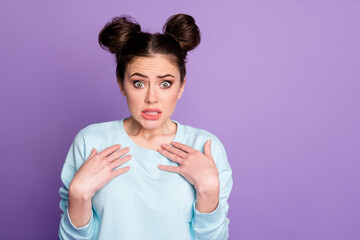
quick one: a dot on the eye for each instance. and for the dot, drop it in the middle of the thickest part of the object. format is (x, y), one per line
(166, 84)
(138, 84)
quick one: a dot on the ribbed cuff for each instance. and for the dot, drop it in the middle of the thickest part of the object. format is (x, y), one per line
(208, 220)
(82, 231)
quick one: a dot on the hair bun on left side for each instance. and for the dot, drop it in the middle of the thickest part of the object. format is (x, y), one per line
(115, 34)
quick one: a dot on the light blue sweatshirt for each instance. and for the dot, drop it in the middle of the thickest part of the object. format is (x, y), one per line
(145, 203)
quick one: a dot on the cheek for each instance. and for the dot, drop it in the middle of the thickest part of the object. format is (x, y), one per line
(170, 101)
(134, 100)
(169, 97)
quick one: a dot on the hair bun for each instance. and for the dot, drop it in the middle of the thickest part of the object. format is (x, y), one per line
(183, 28)
(116, 33)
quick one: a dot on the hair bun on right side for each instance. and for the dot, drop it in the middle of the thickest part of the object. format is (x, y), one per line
(183, 28)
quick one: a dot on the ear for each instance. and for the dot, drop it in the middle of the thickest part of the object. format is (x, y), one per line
(181, 89)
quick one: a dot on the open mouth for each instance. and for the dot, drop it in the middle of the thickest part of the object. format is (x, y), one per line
(151, 114)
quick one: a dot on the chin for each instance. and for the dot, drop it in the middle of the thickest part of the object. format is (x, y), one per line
(149, 124)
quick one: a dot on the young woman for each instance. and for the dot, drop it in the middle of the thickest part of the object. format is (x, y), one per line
(146, 176)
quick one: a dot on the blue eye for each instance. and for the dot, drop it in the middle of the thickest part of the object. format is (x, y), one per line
(168, 84)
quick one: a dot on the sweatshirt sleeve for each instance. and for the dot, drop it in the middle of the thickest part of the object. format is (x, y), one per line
(74, 158)
(215, 225)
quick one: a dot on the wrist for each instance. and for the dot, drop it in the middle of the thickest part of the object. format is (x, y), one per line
(78, 194)
(206, 203)
(211, 187)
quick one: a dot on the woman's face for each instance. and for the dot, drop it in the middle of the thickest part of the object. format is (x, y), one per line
(152, 83)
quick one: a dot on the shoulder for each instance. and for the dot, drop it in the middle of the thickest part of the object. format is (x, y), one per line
(97, 130)
(197, 137)
(195, 133)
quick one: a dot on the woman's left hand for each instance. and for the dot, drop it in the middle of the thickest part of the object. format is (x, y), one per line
(197, 168)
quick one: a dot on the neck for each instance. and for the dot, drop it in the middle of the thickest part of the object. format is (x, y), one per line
(134, 128)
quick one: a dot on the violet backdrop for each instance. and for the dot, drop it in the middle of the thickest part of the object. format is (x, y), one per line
(277, 81)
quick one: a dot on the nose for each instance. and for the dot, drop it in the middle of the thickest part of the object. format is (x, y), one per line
(151, 95)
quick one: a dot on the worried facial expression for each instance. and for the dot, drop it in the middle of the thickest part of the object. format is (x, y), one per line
(152, 88)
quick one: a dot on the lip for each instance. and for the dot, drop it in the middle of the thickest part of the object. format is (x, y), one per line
(151, 117)
(152, 110)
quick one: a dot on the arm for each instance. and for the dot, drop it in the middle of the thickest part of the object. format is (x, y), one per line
(81, 211)
(214, 225)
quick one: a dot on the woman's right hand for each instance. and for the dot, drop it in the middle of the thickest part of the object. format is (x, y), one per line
(97, 171)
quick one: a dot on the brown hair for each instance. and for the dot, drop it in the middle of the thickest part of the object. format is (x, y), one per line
(123, 37)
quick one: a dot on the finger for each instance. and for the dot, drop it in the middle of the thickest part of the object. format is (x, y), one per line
(93, 153)
(183, 147)
(174, 150)
(120, 161)
(207, 149)
(120, 171)
(109, 150)
(171, 156)
(115, 155)
(169, 168)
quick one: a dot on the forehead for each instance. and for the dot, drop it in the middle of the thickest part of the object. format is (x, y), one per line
(157, 64)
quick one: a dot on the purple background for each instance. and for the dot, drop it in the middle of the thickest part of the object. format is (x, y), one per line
(276, 81)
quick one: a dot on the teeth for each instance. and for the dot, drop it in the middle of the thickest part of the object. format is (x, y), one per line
(151, 113)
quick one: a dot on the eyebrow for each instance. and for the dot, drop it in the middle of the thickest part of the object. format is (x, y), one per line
(141, 75)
